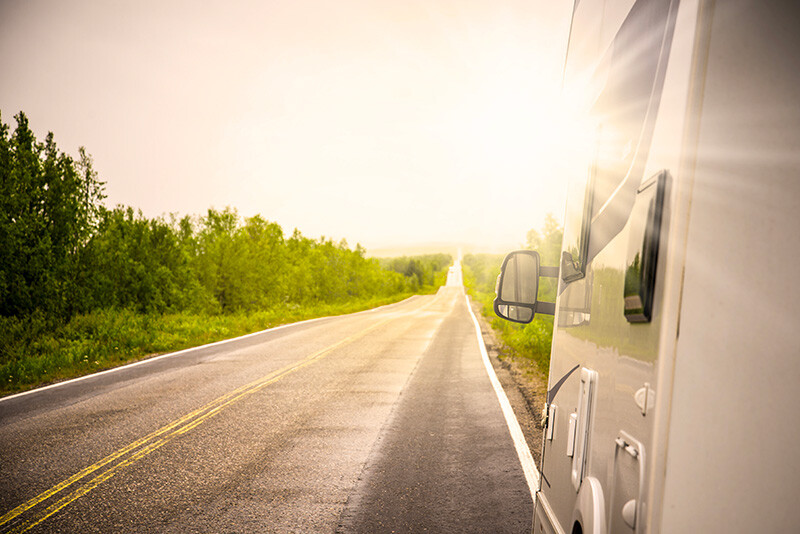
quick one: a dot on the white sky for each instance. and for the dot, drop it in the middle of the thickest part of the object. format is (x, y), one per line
(383, 122)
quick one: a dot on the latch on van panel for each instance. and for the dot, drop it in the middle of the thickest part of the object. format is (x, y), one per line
(626, 485)
(645, 398)
(573, 425)
(551, 422)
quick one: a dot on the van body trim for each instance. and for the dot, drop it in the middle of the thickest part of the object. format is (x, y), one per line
(549, 515)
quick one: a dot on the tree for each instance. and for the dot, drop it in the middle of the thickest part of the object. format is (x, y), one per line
(49, 208)
(548, 242)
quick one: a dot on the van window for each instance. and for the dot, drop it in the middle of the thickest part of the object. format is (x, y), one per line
(622, 108)
(631, 75)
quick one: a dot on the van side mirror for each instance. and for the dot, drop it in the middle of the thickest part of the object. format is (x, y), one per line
(518, 286)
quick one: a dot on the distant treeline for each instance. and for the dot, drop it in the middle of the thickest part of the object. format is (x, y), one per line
(421, 271)
(63, 253)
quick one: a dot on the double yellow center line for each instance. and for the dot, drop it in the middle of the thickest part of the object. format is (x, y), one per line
(117, 461)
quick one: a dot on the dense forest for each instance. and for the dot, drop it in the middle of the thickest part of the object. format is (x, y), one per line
(64, 257)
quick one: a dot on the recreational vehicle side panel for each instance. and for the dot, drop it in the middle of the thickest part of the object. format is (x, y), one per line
(605, 359)
(732, 463)
(672, 402)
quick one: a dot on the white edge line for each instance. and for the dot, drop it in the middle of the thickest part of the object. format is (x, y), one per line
(523, 451)
(170, 354)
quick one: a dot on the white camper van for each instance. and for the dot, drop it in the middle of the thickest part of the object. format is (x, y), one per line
(674, 386)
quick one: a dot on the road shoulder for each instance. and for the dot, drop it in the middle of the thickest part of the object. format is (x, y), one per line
(523, 386)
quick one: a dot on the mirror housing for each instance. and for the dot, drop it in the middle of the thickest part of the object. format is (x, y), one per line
(518, 286)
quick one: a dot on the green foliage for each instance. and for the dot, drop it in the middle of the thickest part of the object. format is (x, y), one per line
(548, 244)
(49, 207)
(81, 283)
(531, 341)
(480, 272)
(421, 271)
(139, 264)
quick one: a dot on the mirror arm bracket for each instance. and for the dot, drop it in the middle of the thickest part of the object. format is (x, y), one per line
(547, 308)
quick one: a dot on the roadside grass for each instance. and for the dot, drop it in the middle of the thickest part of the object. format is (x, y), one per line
(35, 352)
(530, 343)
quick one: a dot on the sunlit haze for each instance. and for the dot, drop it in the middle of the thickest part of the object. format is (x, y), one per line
(386, 123)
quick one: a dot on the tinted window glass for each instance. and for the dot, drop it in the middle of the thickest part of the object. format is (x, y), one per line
(622, 108)
(624, 111)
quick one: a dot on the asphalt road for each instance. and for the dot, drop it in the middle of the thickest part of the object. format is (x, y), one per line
(381, 421)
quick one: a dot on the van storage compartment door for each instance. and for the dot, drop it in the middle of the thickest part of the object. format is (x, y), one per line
(626, 505)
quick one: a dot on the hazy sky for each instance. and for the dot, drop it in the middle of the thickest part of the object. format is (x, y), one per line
(383, 122)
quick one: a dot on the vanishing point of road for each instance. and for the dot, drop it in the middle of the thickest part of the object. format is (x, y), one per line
(379, 421)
